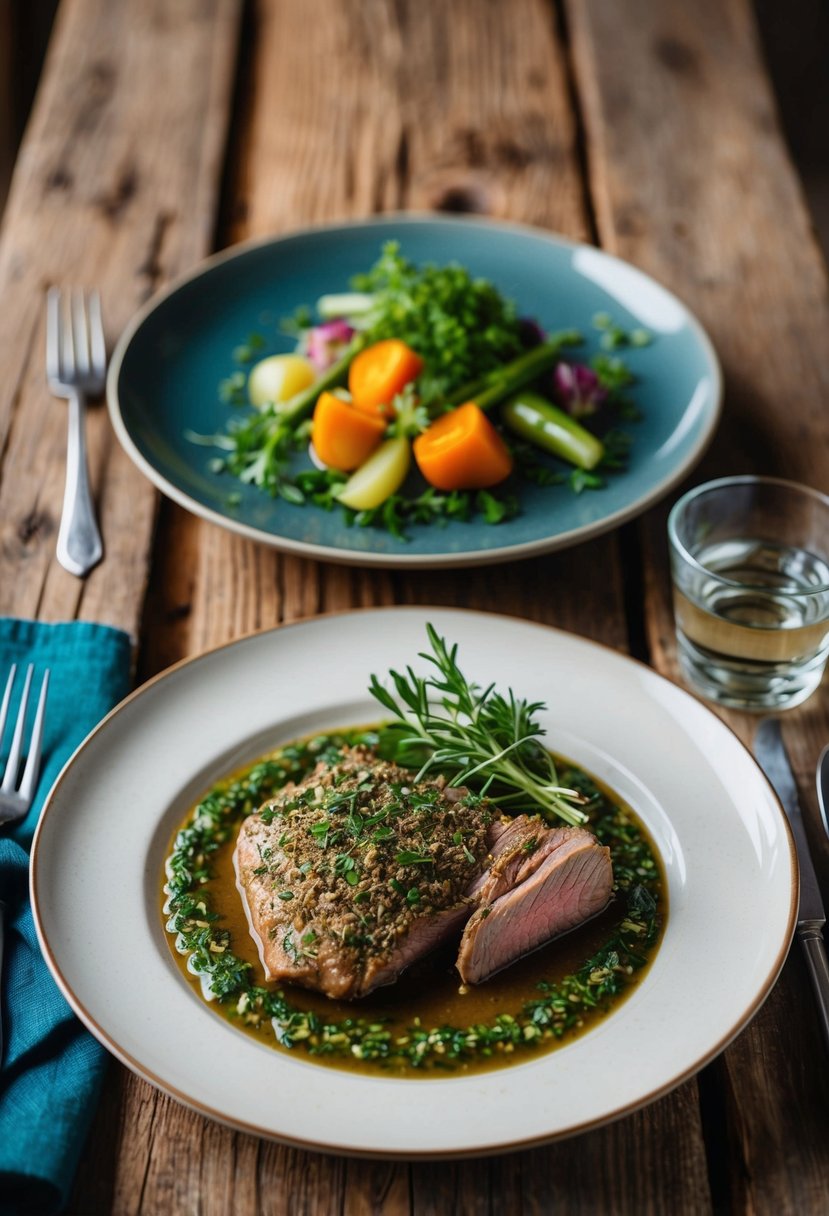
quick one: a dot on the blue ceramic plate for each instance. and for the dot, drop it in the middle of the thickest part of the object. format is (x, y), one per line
(165, 372)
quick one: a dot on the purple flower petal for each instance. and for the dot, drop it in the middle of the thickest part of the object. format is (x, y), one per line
(577, 389)
(325, 342)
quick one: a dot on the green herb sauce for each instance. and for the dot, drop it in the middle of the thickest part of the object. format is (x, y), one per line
(407, 1030)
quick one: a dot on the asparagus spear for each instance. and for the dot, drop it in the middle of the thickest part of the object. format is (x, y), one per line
(501, 382)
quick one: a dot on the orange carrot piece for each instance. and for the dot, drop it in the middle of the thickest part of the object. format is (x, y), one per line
(379, 373)
(462, 450)
(343, 438)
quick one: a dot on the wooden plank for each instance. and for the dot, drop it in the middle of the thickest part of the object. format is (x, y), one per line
(401, 119)
(463, 107)
(8, 134)
(723, 222)
(116, 187)
(794, 44)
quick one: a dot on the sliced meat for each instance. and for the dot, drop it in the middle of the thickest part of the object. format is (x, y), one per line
(352, 874)
(566, 881)
(424, 936)
(517, 852)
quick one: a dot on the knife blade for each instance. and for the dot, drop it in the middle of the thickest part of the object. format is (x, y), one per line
(772, 758)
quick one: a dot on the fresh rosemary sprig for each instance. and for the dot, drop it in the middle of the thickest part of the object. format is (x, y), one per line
(475, 737)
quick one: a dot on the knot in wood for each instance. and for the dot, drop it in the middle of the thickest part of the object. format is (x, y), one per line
(463, 197)
(34, 525)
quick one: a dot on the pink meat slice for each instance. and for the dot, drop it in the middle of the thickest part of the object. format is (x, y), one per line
(518, 852)
(571, 883)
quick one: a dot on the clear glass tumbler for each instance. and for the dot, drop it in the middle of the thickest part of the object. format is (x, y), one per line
(750, 569)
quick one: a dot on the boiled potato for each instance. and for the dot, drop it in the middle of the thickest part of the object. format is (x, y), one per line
(278, 378)
(382, 474)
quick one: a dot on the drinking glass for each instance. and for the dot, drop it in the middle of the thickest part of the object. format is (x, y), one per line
(750, 570)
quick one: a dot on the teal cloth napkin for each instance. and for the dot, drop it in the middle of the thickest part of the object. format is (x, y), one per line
(52, 1068)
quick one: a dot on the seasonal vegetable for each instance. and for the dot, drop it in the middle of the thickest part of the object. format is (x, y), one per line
(578, 389)
(325, 343)
(462, 450)
(381, 371)
(461, 326)
(342, 436)
(476, 737)
(380, 477)
(500, 382)
(278, 378)
(413, 344)
(356, 305)
(534, 418)
(336, 376)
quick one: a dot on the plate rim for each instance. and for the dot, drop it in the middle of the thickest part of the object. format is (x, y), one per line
(403, 561)
(496, 1148)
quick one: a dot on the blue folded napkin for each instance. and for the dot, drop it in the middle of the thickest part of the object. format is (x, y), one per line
(52, 1068)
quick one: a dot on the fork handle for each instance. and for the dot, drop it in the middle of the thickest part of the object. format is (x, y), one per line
(79, 541)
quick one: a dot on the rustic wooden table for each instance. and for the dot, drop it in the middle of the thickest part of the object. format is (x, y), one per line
(166, 128)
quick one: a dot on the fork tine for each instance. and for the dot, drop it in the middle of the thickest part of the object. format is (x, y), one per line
(4, 708)
(80, 331)
(13, 763)
(53, 334)
(97, 341)
(67, 340)
(32, 769)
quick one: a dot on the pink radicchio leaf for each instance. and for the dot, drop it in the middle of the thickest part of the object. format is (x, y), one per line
(325, 342)
(577, 389)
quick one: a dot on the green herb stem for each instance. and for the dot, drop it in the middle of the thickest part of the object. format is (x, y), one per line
(334, 377)
(473, 736)
(502, 381)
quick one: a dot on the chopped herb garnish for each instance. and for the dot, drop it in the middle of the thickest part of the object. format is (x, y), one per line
(553, 1011)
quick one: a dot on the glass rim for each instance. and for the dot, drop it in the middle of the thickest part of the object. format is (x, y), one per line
(741, 479)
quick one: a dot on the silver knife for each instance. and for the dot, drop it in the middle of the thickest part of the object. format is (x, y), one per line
(811, 917)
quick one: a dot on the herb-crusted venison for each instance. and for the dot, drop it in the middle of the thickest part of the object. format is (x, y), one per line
(517, 848)
(354, 873)
(564, 880)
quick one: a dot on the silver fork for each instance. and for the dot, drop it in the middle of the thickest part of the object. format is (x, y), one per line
(15, 799)
(76, 369)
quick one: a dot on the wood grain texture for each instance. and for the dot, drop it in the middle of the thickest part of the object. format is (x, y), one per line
(794, 44)
(8, 134)
(464, 107)
(692, 181)
(399, 119)
(116, 187)
(468, 108)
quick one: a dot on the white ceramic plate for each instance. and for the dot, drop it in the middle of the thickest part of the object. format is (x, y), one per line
(100, 848)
